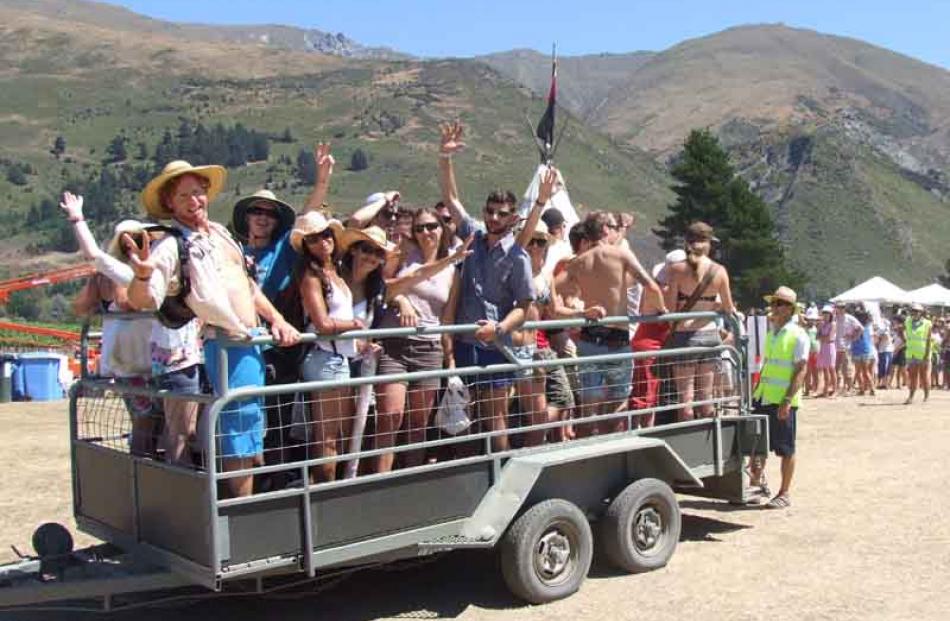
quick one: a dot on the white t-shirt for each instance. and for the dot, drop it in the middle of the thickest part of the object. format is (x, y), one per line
(557, 252)
(847, 328)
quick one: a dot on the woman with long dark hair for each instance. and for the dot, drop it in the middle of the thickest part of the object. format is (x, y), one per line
(694, 373)
(328, 303)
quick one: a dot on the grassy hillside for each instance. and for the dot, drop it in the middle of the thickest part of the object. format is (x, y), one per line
(89, 86)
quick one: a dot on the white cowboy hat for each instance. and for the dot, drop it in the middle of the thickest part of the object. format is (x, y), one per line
(371, 234)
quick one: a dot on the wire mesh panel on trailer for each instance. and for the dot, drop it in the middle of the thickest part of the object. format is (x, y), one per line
(377, 465)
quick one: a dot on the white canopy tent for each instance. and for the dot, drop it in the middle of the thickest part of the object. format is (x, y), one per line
(931, 295)
(875, 289)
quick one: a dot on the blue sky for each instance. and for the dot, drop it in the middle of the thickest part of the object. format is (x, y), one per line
(917, 28)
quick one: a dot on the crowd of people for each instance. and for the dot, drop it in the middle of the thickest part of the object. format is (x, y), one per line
(858, 350)
(275, 270)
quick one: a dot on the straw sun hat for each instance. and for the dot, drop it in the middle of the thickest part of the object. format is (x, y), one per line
(151, 195)
(371, 234)
(310, 223)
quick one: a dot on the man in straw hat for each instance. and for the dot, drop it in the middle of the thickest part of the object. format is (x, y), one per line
(779, 390)
(222, 295)
(917, 334)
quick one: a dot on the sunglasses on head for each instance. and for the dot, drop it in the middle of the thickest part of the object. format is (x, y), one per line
(262, 211)
(426, 226)
(539, 242)
(366, 248)
(493, 212)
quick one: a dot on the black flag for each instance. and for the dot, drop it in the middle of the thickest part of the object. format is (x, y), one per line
(545, 130)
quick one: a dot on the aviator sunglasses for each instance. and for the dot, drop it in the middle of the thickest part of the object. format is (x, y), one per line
(426, 226)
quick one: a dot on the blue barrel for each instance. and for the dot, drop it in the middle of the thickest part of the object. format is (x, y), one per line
(36, 377)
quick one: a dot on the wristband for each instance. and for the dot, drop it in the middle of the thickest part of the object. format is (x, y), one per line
(76, 220)
(146, 279)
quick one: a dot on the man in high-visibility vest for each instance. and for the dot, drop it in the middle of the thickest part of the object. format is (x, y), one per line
(779, 390)
(917, 330)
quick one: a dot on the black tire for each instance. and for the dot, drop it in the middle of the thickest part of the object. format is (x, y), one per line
(546, 553)
(641, 527)
(52, 539)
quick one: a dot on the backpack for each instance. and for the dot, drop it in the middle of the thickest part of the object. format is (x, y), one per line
(174, 312)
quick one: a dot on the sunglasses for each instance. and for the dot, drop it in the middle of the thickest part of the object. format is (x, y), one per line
(313, 238)
(538, 242)
(446, 219)
(491, 212)
(426, 226)
(366, 248)
(389, 214)
(262, 211)
(780, 303)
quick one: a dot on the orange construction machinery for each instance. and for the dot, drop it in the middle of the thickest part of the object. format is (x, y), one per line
(38, 280)
(46, 278)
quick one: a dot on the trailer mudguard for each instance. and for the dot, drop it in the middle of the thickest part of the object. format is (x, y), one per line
(520, 474)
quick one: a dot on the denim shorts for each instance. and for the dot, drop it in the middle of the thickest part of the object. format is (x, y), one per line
(781, 432)
(320, 365)
(470, 355)
(603, 381)
(524, 353)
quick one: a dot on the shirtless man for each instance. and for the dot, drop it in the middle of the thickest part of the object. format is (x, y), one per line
(602, 274)
(223, 296)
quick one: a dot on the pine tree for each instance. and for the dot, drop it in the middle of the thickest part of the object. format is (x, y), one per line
(306, 168)
(944, 279)
(359, 160)
(116, 151)
(708, 189)
(59, 146)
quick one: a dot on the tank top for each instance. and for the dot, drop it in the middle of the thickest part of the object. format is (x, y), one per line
(339, 308)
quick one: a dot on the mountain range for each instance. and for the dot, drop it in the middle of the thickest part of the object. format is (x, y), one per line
(849, 142)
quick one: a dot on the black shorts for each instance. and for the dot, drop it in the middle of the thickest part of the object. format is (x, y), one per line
(781, 432)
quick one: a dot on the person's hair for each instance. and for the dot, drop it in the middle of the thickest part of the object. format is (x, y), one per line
(625, 219)
(375, 285)
(308, 263)
(694, 255)
(594, 224)
(169, 187)
(445, 239)
(505, 197)
(577, 234)
(861, 316)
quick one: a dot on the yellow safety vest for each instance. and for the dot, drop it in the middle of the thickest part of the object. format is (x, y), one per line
(916, 338)
(779, 366)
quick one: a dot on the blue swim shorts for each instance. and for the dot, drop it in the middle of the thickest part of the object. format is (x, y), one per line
(240, 431)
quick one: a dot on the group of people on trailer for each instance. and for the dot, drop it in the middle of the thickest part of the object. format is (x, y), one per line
(386, 266)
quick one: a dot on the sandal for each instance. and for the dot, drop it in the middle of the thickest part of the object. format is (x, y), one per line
(781, 501)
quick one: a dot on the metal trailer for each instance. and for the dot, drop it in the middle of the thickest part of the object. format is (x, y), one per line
(168, 526)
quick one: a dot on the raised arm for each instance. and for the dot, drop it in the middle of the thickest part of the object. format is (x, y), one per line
(402, 284)
(72, 208)
(450, 144)
(325, 164)
(545, 192)
(363, 216)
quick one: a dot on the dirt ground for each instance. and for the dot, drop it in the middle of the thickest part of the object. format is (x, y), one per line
(867, 537)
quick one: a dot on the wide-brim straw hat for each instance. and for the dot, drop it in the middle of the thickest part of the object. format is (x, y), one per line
(151, 195)
(285, 213)
(785, 294)
(371, 234)
(114, 247)
(310, 223)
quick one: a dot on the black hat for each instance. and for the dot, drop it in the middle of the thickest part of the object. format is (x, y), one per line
(553, 218)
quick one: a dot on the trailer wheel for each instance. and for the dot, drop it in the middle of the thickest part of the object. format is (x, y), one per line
(641, 528)
(546, 553)
(52, 539)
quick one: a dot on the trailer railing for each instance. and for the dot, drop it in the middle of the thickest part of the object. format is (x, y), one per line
(325, 435)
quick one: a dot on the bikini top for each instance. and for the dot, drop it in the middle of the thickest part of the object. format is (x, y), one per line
(682, 297)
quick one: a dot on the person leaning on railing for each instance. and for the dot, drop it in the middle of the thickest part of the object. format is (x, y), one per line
(495, 287)
(221, 294)
(709, 281)
(424, 281)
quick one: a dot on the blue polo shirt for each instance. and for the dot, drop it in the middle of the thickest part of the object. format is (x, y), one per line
(274, 265)
(494, 279)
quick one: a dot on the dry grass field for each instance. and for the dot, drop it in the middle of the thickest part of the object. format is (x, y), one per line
(867, 536)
